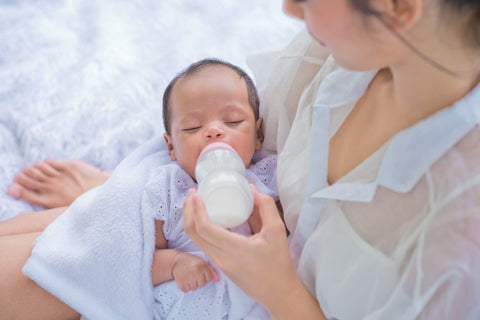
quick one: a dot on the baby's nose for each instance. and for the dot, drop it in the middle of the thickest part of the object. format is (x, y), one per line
(214, 131)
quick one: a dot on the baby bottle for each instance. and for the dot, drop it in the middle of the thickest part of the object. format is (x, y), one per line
(227, 195)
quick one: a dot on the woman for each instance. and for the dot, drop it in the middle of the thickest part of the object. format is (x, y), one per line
(388, 161)
(385, 221)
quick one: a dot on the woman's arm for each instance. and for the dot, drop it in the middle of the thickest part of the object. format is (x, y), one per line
(260, 265)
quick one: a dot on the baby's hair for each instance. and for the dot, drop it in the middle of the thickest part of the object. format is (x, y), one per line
(253, 99)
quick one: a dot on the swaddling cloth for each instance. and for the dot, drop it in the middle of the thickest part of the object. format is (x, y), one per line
(97, 256)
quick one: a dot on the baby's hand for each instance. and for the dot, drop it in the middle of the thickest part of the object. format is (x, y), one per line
(192, 272)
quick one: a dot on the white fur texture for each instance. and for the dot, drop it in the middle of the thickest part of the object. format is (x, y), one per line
(84, 79)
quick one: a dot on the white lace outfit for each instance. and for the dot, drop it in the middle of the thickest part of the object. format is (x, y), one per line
(166, 190)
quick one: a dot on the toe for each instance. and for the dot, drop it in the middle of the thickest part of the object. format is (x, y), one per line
(14, 191)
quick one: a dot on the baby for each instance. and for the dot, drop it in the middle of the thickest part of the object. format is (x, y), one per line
(211, 101)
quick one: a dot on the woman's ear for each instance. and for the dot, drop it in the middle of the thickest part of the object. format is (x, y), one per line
(260, 136)
(171, 150)
(293, 9)
(401, 14)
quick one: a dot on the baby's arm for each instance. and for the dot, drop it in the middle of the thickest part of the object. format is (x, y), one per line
(189, 271)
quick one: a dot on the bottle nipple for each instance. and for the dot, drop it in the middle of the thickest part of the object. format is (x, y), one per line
(216, 145)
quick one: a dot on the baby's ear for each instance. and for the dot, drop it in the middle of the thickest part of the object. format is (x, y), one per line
(260, 136)
(171, 150)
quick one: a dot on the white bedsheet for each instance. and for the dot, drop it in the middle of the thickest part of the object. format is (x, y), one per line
(84, 79)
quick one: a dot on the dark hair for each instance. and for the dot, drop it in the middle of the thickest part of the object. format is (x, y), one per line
(469, 10)
(253, 99)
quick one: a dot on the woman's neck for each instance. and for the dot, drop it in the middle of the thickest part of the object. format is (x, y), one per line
(431, 68)
(420, 89)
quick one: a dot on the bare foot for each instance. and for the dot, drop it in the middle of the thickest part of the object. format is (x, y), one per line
(55, 183)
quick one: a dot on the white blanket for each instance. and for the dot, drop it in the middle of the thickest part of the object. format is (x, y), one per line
(97, 256)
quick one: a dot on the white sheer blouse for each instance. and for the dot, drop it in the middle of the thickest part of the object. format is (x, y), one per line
(399, 236)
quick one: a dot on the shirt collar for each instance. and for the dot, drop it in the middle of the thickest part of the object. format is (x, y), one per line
(411, 152)
(350, 84)
(414, 150)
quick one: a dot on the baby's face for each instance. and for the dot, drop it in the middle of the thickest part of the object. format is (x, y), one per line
(210, 106)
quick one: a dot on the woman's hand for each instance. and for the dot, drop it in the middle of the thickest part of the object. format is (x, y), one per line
(260, 265)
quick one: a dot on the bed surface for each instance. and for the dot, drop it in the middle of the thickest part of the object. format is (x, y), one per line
(84, 79)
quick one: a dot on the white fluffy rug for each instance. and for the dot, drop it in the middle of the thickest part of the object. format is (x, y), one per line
(84, 79)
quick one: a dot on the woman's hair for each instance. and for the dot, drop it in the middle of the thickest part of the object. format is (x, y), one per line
(468, 12)
(253, 99)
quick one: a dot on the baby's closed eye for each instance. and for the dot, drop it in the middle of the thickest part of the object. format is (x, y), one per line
(191, 129)
(233, 123)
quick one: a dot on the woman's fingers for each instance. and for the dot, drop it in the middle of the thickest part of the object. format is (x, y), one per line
(199, 227)
(192, 217)
(269, 215)
(262, 259)
(213, 239)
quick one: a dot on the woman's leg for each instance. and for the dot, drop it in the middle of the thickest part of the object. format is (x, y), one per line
(20, 297)
(31, 221)
(55, 183)
(50, 184)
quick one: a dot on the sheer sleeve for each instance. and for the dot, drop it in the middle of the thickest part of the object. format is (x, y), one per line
(281, 76)
(445, 272)
(413, 255)
(436, 254)
(437, 250)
